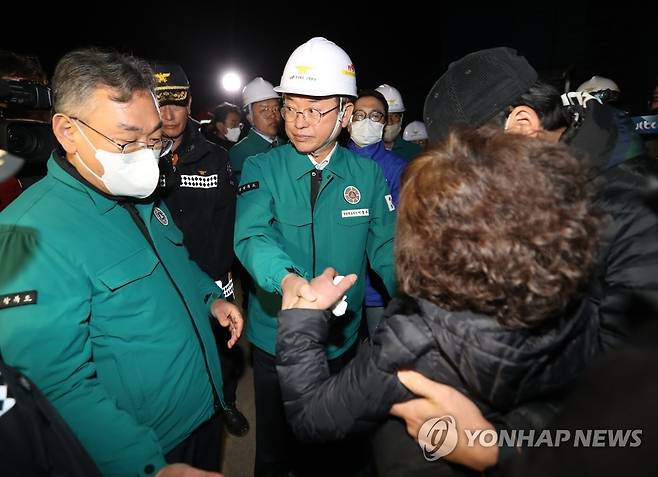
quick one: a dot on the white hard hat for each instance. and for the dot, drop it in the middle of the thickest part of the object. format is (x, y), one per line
(319, 67)
(415, 131)
(393, 97)
(258, 90)
(598, 83)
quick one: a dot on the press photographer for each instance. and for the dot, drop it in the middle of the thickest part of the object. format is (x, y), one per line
(25, 129)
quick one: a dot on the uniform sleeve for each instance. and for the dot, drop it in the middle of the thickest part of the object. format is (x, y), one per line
(379, 245)
(223, 219)
(257, 242)
(44, 332)
(322, 407)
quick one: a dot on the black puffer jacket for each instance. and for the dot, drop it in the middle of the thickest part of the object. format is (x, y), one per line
(498, 368)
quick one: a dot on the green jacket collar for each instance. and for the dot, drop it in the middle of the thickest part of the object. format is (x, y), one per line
(254, 136)
(62, 170)
(302, 166)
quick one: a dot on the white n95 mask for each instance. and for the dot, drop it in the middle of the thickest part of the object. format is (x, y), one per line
(134, 174)
(232, 134)
(366, 132)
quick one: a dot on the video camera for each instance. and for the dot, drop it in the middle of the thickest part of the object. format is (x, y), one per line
(20, 133)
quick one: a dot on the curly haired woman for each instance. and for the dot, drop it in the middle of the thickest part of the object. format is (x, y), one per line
(496, 235)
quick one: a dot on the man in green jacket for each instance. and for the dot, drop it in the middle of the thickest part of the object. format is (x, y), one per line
(303, 207)
(100, 304)
(261, 105)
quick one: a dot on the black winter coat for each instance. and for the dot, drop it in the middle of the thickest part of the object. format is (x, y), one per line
(498, 368)
(627, 263)
(201, 194)
(34, 439)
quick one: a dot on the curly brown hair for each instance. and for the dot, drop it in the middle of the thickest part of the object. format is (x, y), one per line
(496, 223)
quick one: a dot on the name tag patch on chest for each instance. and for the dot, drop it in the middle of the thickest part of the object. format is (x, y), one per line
(355, 213)
(28, 297)
(198, 182)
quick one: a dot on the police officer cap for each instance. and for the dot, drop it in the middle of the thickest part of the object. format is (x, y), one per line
(171, 84)
(476, 88)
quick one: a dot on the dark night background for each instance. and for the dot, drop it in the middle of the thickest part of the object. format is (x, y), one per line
(408, 46)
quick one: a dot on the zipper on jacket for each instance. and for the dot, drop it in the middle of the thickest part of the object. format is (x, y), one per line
(134, 214)
(316, 188)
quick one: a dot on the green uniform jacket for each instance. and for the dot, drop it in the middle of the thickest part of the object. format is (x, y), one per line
(106, 335)
(252, 144)
(405, 149)
(276, 232)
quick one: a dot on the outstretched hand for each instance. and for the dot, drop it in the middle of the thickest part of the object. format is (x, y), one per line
(229, 316)
(324, 291)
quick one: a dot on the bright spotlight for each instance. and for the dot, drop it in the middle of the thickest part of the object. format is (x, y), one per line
(231, 82)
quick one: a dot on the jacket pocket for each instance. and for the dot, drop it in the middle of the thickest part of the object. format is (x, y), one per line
(129, 269)
(127, 384)
(353, 221)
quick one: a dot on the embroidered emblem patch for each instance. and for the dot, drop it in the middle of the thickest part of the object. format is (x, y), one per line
(28, 297)
(352, 195)
(161, 216)
(248, 186)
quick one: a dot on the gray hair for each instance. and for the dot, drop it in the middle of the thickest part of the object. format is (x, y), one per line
(79, 73)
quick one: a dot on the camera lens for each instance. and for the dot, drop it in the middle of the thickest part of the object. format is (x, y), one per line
(31, 141)
(22, 141)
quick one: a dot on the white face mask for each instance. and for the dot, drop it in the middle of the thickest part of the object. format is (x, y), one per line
(366, 132)
(232, 134)
(391, 132)
(135, 174)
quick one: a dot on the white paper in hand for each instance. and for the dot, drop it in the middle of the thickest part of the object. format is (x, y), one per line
(340, 307)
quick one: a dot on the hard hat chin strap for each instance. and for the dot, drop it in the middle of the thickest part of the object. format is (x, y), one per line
(335, 131)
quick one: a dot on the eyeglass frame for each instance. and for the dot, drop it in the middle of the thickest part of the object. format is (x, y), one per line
(368, 115)
(303, 111)
(163, 151)
(268, 109)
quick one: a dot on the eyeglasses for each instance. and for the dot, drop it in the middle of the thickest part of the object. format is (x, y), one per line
(162, 144)
(269, 109)
(394, 118)
(311, 115)
(360, 115)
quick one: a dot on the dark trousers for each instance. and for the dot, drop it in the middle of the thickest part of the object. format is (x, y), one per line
(231, 361)
(278, 452)
(202, 448)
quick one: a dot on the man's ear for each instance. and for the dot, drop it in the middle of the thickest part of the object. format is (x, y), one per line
(64, 129)
(523, 120)
(349, 109)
